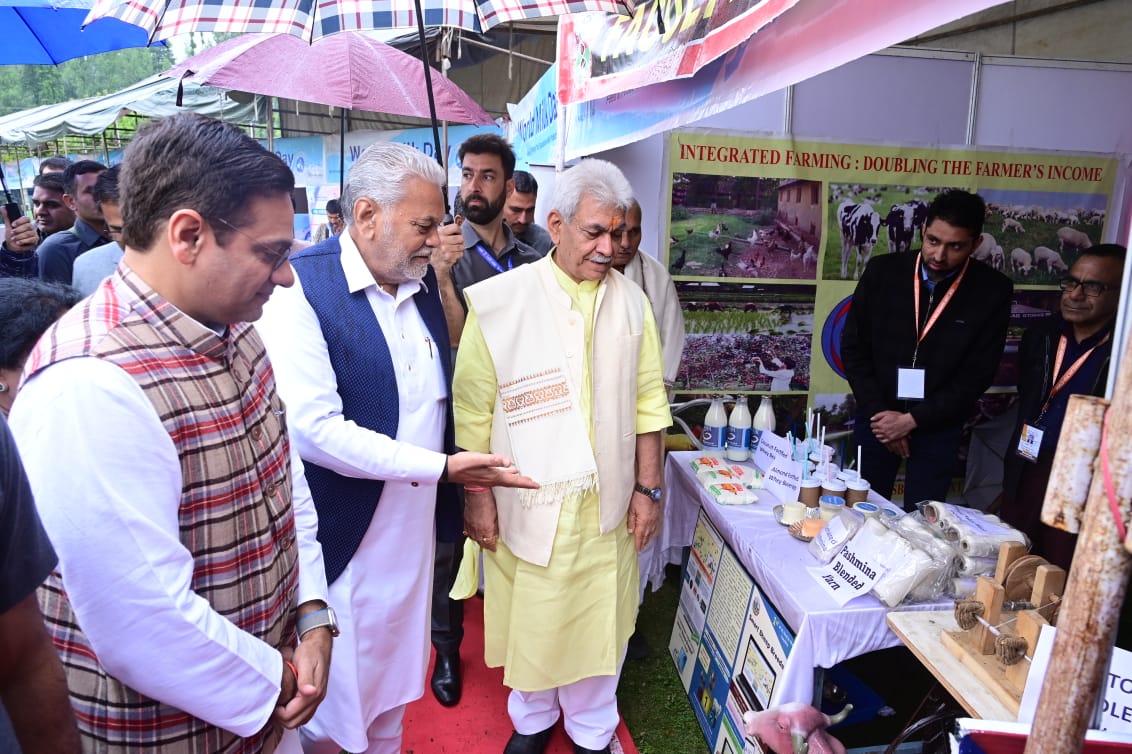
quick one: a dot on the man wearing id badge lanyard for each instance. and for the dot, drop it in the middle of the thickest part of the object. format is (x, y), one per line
(921, 343)
(487, 170)
(1061, 356)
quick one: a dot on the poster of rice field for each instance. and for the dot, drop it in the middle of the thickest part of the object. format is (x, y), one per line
(746, 337)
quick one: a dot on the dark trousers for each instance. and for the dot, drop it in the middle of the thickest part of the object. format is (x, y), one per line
(930, 466)
(447, 613)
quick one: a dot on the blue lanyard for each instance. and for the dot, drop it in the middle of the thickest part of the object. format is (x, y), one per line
(490, 258)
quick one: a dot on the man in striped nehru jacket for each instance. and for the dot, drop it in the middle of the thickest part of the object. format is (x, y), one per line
(188, 605)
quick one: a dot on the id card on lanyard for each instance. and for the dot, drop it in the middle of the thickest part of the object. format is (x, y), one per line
(1030, 440)
(910, 381)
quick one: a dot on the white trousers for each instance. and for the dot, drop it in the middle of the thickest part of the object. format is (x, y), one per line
(383, 734)
(589, 706)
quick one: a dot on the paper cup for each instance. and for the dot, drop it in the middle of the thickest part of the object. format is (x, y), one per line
(793, 512)
(857, 491)
(834, 487)
(809, 492)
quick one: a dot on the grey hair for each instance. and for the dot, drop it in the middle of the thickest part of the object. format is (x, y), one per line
(600, 180)
(382, 173)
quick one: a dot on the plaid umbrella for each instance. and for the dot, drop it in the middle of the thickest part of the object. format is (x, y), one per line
(311, 20)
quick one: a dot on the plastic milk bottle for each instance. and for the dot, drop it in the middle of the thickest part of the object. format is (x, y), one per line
(714, 436)
(763, 421)
(739, 431)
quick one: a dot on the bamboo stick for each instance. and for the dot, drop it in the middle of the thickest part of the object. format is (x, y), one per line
(1072, 470)
(1086, 626)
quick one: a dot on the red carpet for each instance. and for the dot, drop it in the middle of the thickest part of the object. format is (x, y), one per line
(479, 723)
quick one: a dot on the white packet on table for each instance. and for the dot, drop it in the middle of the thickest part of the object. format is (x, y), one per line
(836, 532)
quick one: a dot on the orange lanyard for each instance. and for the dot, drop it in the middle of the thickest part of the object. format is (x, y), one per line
(1075, 367)
(921, 334)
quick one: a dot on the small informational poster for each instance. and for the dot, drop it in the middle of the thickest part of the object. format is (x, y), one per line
(699, 577)
(729, 643)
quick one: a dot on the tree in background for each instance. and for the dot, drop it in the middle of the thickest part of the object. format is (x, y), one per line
(27, 86)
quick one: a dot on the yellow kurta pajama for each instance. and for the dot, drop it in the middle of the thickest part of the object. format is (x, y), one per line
(552, 625)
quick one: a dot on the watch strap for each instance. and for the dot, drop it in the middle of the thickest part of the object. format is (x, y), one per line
(652, 493)
(317, 619)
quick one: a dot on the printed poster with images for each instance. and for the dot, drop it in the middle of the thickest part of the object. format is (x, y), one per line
(729, 643)
(767, 237)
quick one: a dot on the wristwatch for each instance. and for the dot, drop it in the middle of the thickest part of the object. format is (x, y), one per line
(652, 493)
(318, 619)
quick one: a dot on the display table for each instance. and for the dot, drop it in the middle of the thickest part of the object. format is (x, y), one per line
(825, 633)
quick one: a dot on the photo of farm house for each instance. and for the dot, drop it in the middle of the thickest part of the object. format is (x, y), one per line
(745, 337)
(728, 227)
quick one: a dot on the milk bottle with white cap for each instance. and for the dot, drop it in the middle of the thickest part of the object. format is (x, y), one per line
(739, 432)
(714, 436)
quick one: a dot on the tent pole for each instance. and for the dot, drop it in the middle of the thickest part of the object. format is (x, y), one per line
(105, 149)
(270, 124)
(341, 152)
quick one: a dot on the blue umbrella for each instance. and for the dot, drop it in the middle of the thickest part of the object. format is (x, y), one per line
(45, 32)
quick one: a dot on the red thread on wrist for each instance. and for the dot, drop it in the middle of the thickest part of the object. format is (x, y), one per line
(474, 489)
(294, 670)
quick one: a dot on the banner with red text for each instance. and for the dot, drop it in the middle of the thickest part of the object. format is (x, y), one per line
(662, 40)
(601, 58)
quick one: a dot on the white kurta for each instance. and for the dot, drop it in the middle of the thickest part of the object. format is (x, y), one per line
(382, 599)
(107, 483)
(657, 284)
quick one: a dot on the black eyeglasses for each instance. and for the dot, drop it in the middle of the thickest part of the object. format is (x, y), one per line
(1092, 287)
(272, 256)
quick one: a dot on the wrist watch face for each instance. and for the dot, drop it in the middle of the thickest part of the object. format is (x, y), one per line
(652, 493)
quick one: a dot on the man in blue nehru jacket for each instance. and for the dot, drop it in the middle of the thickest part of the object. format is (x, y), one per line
(362, 359)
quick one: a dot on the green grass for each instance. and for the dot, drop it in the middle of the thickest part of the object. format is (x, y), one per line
(651, 699)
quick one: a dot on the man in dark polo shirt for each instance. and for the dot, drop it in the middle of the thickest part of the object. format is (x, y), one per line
(487, 175)
(58, 252)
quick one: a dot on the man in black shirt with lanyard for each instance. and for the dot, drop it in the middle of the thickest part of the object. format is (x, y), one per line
(922, 342)
(1063, 355)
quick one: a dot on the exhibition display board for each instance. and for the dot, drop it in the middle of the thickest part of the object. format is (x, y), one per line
(767, 237)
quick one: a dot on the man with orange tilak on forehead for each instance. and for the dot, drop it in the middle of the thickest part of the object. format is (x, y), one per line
(559, 368)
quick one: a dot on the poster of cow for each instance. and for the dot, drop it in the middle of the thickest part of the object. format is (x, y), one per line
(865, 219)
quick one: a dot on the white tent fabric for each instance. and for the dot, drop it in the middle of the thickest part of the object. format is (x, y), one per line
(153, 97)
